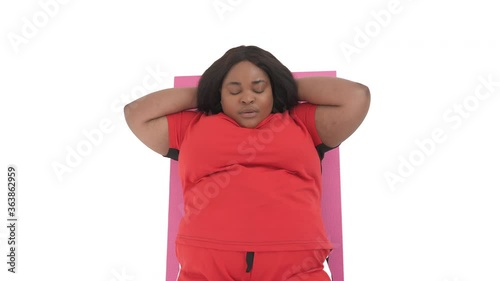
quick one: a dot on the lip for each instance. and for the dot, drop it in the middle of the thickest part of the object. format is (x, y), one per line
(248, 113)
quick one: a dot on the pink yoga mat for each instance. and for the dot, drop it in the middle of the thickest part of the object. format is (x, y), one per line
(330, 203)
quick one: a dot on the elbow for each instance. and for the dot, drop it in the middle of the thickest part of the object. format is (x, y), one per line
(364, 94)
(128, 112)
(363, 90)
(128, 108)
(363, 98)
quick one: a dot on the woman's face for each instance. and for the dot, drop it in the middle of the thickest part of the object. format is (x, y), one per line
(246, 94)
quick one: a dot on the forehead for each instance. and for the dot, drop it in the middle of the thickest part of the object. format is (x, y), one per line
(245, 71)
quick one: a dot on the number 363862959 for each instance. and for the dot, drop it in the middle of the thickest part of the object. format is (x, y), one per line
(11, 185)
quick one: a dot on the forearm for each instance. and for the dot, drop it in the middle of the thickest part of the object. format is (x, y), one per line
(161, 103)
(330, 91)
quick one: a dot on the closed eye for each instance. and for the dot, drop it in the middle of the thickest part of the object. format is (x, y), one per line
(234, 88)
(259, 86)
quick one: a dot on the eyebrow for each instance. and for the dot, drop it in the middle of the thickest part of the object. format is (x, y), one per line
(239, 84)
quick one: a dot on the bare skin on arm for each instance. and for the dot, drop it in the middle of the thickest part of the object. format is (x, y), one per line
(342, 106)
(146, 116)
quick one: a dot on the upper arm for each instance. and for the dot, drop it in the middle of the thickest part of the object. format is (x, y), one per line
(336, 123)
(153, 133)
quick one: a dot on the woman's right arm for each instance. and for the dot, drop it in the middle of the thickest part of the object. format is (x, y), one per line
(146, 115)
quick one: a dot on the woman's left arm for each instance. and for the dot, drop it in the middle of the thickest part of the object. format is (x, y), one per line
(342, 106)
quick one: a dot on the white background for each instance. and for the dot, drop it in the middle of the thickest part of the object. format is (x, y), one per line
(69, 67)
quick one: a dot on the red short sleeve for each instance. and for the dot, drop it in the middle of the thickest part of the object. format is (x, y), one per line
(177, 126)
(306, 112)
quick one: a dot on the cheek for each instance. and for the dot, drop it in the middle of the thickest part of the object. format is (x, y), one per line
(227, 104)
(270, 100)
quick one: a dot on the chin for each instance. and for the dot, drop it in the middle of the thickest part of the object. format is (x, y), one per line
(248, 125)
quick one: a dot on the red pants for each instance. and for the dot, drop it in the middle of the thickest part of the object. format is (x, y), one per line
(215, 265)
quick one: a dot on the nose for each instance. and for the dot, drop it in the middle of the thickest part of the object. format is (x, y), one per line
(247, 98)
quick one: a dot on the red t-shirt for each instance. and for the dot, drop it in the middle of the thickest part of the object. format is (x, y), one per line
(249, 189)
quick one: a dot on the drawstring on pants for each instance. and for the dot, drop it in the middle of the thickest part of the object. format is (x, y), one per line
(249, 261)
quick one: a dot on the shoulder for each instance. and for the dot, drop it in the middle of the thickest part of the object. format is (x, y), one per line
(303, 108)
(184, 117)
(305, 113)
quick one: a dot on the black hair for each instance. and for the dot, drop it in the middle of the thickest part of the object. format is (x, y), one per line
(285, 94)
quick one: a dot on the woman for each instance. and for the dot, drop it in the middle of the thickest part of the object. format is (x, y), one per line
(249, 162)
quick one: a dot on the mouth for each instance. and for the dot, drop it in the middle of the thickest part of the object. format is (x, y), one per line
(248, 113)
